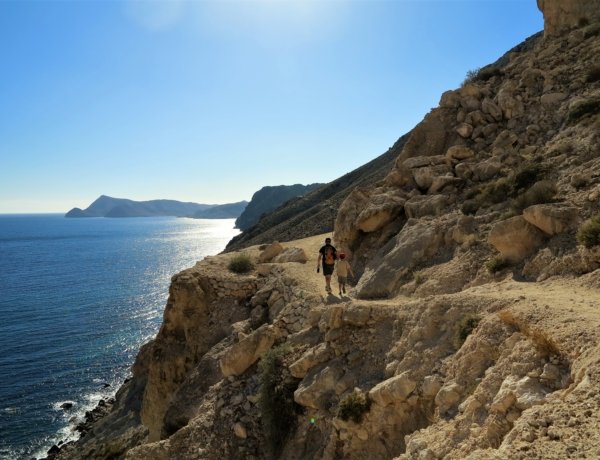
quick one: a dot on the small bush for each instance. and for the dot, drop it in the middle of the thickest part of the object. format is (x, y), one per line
(469, 207)
(354, 406)
(592, 30)
(488, 72)
(465, 327)
(276, 398)
(471, 76)
(593, 74)
(482, 74)
(539, 193)
(495, 192)
(583, 109)
(589, 233)
(419, 278)
(496, 264)
(241, 263)
(527, 175)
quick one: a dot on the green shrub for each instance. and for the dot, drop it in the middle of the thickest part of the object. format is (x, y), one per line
(589, 233)
(241, 263)
(583, 109)
(276, 398)
(465, 327)
(354, 406)
(539, 193)
(419, 278)
(471, 76)
(496, 264)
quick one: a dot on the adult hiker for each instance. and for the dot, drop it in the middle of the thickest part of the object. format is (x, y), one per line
(327, 254)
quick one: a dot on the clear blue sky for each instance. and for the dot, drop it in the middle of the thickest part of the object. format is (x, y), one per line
(208, 101)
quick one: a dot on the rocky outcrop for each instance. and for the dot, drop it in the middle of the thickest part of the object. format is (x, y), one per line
(562, 15)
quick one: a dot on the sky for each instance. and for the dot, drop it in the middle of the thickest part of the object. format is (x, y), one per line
(210, 100)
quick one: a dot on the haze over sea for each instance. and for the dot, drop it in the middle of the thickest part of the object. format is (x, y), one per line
(77, 298)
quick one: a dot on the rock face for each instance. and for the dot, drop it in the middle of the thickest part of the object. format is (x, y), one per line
(562, 15)
(269, 198)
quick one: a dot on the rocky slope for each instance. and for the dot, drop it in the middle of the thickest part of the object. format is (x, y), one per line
(268, 199)
(472, 331)
(315, 212)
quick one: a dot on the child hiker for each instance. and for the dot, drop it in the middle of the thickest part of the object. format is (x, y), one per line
(343, 268)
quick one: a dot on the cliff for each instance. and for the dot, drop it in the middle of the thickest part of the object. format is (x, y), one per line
(471, 331)
(269, 198)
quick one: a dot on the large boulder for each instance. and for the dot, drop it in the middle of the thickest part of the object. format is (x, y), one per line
(247, 351)
(393, 390)
(561, 15)
(515, 238)
(270, 252)
(418, 240)
(379, 211)
(291, 255)
(425, 205)
(553, 218)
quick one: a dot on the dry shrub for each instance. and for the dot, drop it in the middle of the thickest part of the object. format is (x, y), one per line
(241, 263)
(465, 327)
(589, 233)
(539, 193)
(545, 345)
(583, 109)
(354, 406)
(497, 264)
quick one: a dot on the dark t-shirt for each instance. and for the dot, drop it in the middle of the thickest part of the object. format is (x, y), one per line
(329, 254)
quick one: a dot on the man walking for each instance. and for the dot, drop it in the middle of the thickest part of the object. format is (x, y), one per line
(327, 255)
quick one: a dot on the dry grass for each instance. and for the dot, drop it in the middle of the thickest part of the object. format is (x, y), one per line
(544, 344)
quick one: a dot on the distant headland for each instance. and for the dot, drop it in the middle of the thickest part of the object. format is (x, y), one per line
(106, 206)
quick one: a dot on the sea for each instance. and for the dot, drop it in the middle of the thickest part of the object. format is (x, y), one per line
(78, 297)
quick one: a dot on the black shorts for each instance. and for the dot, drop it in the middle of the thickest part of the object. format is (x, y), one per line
(328, 269)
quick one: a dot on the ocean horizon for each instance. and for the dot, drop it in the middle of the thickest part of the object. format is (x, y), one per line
(78, 299)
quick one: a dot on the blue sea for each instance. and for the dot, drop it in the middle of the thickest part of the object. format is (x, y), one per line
(77, 299)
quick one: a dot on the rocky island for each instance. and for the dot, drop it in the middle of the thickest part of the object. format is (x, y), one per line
(472, 331)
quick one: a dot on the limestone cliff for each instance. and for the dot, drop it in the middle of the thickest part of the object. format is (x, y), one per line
(472, 330)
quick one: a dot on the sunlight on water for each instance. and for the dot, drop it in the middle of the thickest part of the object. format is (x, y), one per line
(79, 297)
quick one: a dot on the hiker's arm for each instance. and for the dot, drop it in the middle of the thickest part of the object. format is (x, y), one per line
(319, 260)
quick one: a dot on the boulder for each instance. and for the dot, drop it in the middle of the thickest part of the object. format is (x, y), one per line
(464, 130)
(247, 351)
(419, 162)
(515, 238)
(425, 205)
(489, 107)
(418, 240)
(450, 99)
(310, 359)
(318, 386)
(291, 255)
(550, 99)
(552, 218)
(459, 152)
(393, 390)
(270, 252)
(425, 176)
(448, 397)
(509, 103)
(379, 211)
